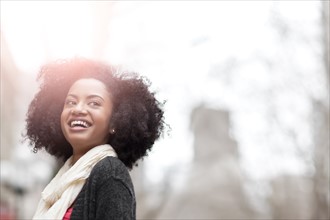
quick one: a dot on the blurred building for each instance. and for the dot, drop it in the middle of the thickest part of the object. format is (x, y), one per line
(213, 189)
(9, 94)
(292, 197)
(23, 174)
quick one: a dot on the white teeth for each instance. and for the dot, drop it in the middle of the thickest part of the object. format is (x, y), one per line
(74, 123)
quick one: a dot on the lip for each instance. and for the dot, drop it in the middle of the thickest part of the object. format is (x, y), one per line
(77, 128)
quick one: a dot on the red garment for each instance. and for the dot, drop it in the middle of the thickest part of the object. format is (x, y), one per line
(67, 215)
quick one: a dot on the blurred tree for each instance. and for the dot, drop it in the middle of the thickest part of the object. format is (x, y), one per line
(321, 131)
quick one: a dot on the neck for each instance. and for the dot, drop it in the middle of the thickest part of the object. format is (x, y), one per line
(76, 157)
(78, 151)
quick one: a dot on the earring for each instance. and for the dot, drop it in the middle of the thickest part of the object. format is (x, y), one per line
(112, 131)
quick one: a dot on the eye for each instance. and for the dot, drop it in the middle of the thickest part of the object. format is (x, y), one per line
(94, 103)
(70, 102)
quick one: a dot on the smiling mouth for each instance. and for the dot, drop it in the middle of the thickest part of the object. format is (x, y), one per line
(79, 123)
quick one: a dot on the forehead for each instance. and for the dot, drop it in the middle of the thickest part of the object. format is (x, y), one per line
(88, 86)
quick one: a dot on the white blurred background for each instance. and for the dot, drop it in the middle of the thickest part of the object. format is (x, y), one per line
(247, 90)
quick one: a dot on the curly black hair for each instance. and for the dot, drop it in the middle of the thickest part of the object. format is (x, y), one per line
(138, 117)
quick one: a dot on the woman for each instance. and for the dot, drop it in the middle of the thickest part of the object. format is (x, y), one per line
(100, 122)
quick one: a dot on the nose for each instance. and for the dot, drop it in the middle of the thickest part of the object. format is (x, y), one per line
(78, 109)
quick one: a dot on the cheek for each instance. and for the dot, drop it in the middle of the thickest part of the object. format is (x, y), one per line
(104, 123)
(63, 120)
(110, 114)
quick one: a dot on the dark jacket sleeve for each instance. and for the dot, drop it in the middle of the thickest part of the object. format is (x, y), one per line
(114, 201)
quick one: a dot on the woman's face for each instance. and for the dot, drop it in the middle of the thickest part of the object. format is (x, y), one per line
(85, 119)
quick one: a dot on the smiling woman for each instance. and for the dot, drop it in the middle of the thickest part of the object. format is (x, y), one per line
(99, 121)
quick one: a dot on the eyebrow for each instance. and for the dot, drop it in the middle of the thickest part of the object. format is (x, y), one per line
(89, 96)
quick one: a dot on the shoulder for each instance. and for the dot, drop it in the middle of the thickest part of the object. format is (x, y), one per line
(111, 168)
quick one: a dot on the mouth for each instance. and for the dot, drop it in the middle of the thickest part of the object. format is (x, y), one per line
(79, 124)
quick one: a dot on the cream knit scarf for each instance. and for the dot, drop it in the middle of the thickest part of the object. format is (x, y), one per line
(61, 192)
